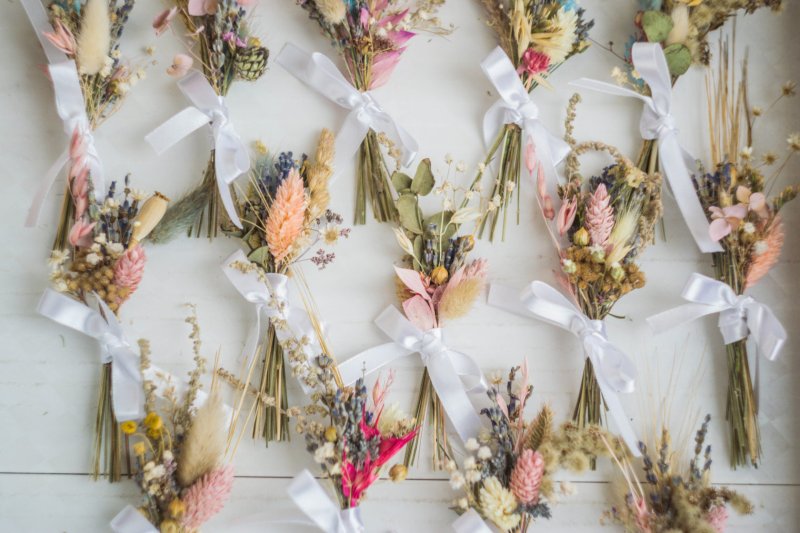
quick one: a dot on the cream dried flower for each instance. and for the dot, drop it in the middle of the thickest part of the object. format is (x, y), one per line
(499, 505)
(794, 142)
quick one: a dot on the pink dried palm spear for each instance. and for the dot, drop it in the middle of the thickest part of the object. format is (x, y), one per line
(767, 258)
(526, 478)
(599, 216)
(129, 268)
(207, 496)
(286, 215)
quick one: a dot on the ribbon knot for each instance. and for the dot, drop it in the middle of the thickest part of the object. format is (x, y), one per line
(614, 371)
(231, 158)
(453, 374)
(126, 377)
(658, 123)
(319, 73)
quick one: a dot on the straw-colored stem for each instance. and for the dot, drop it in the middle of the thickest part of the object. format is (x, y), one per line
(107, 453)
(273, 384)
(373, 180)
(508, 178)
(430, 408)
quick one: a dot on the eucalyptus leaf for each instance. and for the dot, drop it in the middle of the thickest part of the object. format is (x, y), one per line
(656, 25)
(679, 59)
(423, 181)
(260, 256)
(410, 214)
(401, 182)
(441, 219)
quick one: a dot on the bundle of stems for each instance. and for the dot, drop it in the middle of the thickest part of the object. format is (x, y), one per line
(508, 146)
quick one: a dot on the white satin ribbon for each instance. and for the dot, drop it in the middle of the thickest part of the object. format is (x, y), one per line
(446, 367)
(471, 522)
(70, 107)
(130, 520)
(658, 123)
(271, 301)
(312, 499)
(126, 377)
(614, 371)
(515, 106)
(740, 316)
(231, 159)
(319, 73)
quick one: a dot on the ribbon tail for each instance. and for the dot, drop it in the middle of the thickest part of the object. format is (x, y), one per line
(494, 120)
(46, 184)
(127, 393)
(348, 140)
(454, 398)
(682, 314)
(471, 522)
(130, 520)
(370, 361)
(673, 163)
(226, 196)
(607, 88)
(617, 412)
(470, 373)
(176, 128)
(507, 298)
(314, 502)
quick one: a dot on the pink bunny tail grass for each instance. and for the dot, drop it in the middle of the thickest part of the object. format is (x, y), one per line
(717, 517)
(764, 261)
(526, 478)
(286, 215)
(129, 268)
(207, 496)
(599, 216)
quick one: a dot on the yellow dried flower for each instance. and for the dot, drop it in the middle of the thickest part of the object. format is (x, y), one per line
(139, 449)
(152, 420)
(177, 508)
(398, 472)
(330, 434)
(169, 526)
(128, 427)
(260, 147)
(439, 275)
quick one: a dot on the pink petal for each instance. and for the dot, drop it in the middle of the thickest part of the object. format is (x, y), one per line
(419, 312)
(566, 215)
(198, 8)
(364, 18)
(412, 280)
(719, 228)
(743, 194)
(716, 212)
(162, 20)
(530, 163)
(735, 211)
(383, 66)
(393, 19)
(246, 3)
(181, 64)
(758, 203)
(400, 37)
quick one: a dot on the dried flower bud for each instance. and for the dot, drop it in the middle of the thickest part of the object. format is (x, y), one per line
(330, 434)
(139, 449)
(617, 272)
(149, 216)
(598, 254)
(169, 526)
(398, 472)
(581, 237)
(177, 508)
(569, 266)
(439, 275)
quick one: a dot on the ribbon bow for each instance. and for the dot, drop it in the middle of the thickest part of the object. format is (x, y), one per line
(126, 378)
(614, 371)
(658, 123)
(446, 367)
(271, 301)
(515, 106)
(70, 107)
(230, 154)
(740, 316)
(319, 73)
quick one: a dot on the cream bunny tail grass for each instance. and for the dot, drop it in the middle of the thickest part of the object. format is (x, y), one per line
(205, 442)
(319, 173)
(94, 39)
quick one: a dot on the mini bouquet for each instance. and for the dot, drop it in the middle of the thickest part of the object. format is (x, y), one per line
(285, 215)
(220, 40)
(90, 79)
(600, 228)
(356, 435)
(105, 263)
(537, 37)
(371, 36)
(748, 226)
(506, 478)
(441, 283)
(674, 496)
(179, 451)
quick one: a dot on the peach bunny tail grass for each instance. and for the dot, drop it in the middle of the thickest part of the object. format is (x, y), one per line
(768, 258)
(94, 39)
(286, 216)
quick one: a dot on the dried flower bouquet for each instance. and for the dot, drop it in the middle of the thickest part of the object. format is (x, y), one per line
(507, 475)
(221, 42)
(538, 36)
(285, 216)
(88, 34)
(371, 36)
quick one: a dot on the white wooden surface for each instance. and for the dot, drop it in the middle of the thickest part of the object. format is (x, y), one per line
(48, 374)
